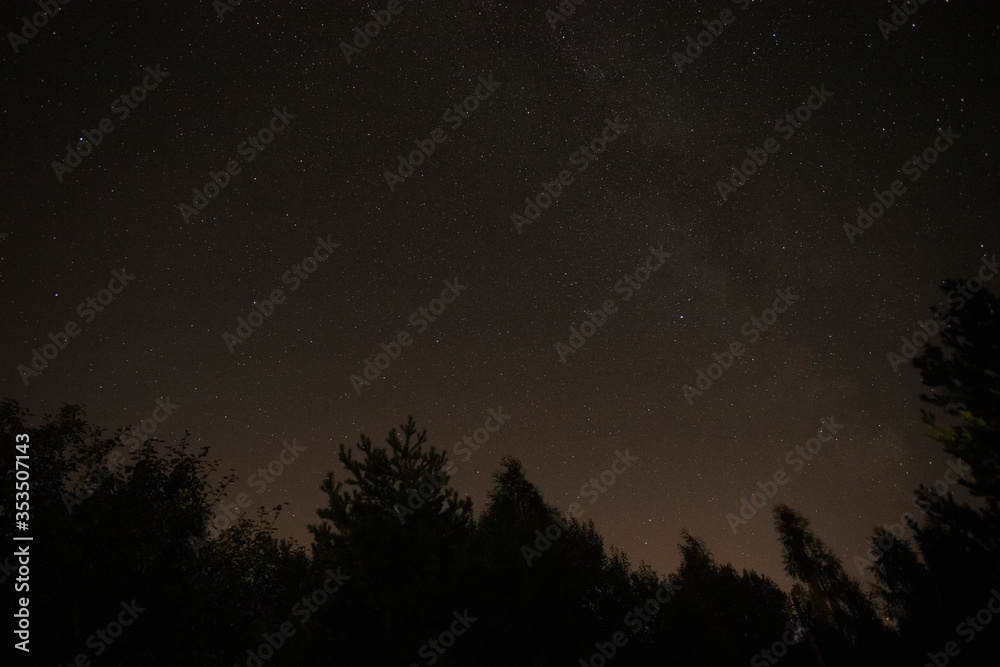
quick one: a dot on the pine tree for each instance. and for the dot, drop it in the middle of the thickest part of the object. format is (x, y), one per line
(396, 527)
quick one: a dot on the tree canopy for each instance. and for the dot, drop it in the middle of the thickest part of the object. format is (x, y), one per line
(401, 570)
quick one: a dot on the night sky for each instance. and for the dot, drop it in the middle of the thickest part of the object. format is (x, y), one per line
(597, 108)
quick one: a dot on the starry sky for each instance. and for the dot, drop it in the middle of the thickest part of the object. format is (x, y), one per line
(673, 126)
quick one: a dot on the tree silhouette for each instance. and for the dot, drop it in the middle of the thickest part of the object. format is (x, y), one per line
(845, 622)
(402, 534)
(127, 538)
(720, 616)
(136, 527)
(963, 375)
(545, 577)
(955, 555)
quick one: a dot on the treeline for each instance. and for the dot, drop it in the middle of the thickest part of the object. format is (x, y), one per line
(125, 569)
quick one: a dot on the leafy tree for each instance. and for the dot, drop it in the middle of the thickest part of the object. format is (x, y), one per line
(126, 538)
(845, 620)
(902, 580)
(957, 554)
(719, 616)
(963, 374)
